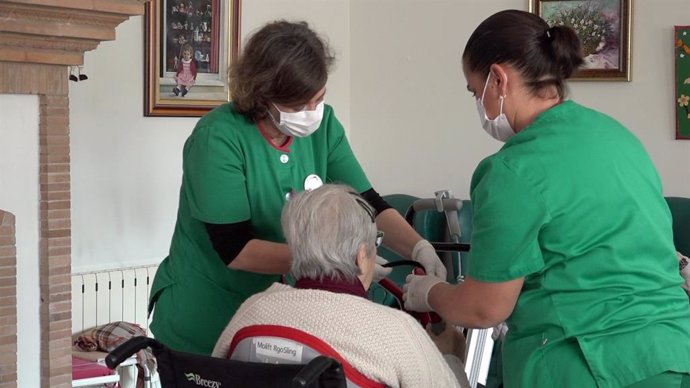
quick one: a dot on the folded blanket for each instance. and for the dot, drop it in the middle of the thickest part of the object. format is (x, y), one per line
(111, 335)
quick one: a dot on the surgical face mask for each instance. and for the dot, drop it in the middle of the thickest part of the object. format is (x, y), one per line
(499, 128)
(299, 124)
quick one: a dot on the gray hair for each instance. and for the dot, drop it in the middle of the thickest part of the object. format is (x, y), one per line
(324, 229)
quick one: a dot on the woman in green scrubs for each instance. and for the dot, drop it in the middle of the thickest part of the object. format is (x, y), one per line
(572, 241)
(240, 165)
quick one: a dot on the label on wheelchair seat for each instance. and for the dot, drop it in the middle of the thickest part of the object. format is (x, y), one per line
(278, 348)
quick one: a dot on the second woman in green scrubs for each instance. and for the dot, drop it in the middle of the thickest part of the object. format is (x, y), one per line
(572, 241)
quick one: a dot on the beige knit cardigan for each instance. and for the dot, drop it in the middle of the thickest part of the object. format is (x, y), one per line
(384, 344)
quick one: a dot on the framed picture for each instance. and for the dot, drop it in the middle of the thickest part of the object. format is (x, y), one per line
(604, 28)
(189, 45)
(681, 53)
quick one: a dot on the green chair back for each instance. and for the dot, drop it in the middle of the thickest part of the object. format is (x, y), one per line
(680, 211)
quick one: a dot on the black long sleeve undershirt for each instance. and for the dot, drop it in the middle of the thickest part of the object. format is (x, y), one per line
(229, 239)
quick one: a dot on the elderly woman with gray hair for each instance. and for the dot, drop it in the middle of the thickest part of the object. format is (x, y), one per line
(332, 236)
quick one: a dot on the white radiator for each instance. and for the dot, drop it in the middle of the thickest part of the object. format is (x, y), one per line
(108, 296)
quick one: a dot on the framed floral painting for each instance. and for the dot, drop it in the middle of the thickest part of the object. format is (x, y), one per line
(604, 28)
(189, 45)
(682, 87)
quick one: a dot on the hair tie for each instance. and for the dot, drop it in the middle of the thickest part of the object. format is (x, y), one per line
(549, 38)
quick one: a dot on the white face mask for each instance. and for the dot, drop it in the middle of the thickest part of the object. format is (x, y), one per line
(499, 128)
(299, 124)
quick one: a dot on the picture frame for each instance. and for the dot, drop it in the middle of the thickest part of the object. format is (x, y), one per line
(681, 54)
(188, 48)
(604, 27)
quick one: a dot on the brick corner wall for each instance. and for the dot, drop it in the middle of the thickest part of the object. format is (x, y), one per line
(8, 301)
(49, 82)
(39, 39)
(55, 235)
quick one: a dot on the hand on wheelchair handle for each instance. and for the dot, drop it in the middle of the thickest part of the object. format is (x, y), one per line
(425, 254)
(416, 292)
(431, 319)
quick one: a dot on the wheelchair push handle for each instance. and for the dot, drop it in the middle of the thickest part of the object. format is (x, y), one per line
(128, 348)
(444, 205)
(315, 368)
(438, 204)
(399, 263)
(437, 324)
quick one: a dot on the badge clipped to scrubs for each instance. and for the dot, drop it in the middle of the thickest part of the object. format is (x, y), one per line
(312, 182)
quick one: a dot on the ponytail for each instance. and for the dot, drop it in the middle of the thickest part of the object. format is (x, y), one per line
(565, 49)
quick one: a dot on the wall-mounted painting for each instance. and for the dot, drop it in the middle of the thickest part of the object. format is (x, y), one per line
(604, 28)
(682, 61)
(189, 45)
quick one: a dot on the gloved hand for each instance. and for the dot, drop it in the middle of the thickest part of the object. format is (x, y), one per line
(379, 271)
(416, 292)
(425, 254)
(684, 265)
(499, 332)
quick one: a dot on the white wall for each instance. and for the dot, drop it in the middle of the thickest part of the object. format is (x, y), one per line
(418, 109)
(126, 168)
(409, 96)
(19, 194)
(398, 88)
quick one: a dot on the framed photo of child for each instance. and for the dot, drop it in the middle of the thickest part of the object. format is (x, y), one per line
(189, 45)
(604, 28)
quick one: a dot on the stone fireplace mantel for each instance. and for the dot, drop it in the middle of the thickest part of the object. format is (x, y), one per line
(58, 32)
(38, 40)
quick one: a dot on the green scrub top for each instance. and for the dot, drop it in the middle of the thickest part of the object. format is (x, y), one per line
(232, 173)
(573, 204)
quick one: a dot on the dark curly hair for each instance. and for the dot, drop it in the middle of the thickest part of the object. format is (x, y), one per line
(545, 56)
(283, 62)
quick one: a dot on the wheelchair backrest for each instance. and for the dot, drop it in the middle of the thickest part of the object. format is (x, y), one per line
(276, 344)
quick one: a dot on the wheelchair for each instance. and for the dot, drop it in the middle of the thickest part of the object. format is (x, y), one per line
(279, 356)
(188, 370)
(267, 356)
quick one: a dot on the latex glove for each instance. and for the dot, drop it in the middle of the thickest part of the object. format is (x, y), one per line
(416, 292)
(499, 332)
(379, 271)
(684, 264)
(425, 254)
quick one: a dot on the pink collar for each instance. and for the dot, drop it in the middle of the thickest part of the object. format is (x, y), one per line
(285, 147)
